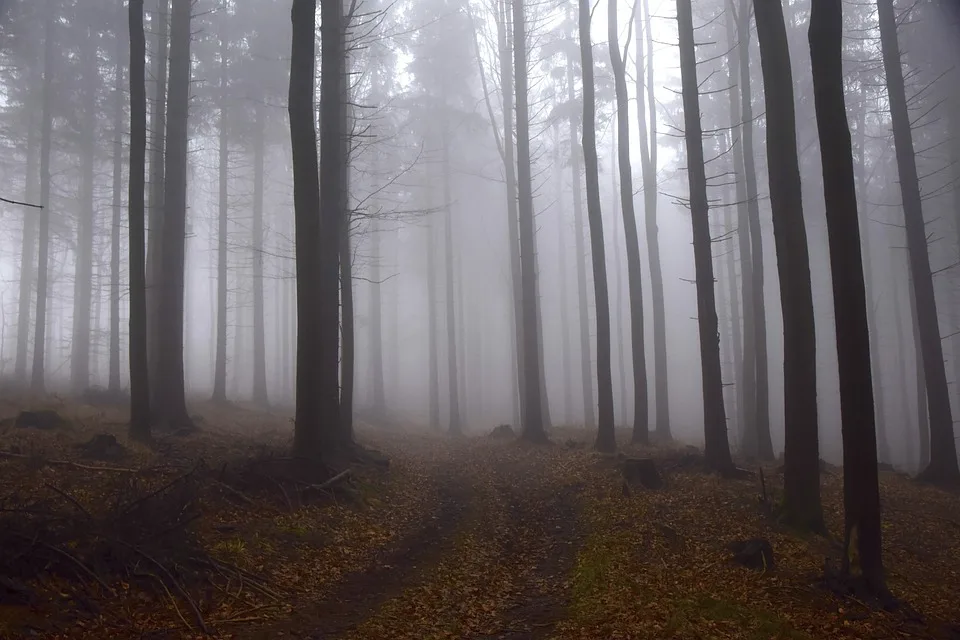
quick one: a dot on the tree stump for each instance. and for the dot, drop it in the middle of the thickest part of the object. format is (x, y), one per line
(756, 553)
(641, 472)
(503, 432)
(102, 446)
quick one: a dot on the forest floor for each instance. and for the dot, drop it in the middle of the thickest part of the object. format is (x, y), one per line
(206, 535)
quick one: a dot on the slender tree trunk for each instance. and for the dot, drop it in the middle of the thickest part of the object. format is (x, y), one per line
(943, 467)
(114, 374)
(717, 450)
(453, 377)
(648, 160)
(904, 377)
(310, 409)
(583, 306)
(922, 391)
(861, 488)
(634, 281)
(376, 322)
(564, 304)
(759, 443)
(158, 127)
(172, 409)
(139, 387)
(260, 396)
(433, 372)
(546, 419)
(28, 246)
(618, 284)
(533, 426)
(46, 135)
(606, 434)
(735, 327)
(220, 370)
(348, 355)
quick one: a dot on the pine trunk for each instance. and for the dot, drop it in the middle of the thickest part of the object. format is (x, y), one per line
(114, 370)
(220, 369)
(260, 396)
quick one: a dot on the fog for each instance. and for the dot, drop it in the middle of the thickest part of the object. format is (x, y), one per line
(413, 65)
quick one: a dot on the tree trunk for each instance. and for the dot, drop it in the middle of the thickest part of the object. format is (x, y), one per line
(348, 355)
(83, 277)
(943, 467)
(433, 372)
(28, 245)
(46, 134)
(801, 477)
(735, 329)
(634, 281)
(172, 409)
(220, 369)
(376, 322)
(114, 373)
(564, 304)
(139, 387)
(861, 488)
(904, 377)
(922, 391)
(618, 285)
(158, 128)
(717, 449)
(606, 435)
(533, 427)
(260, 396)
(453, 377)
(747, 389)
(759, 443)
(583, 306)
(546, 420)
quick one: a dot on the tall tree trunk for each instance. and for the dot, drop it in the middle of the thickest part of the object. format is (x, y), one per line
(348, 355)
(943, 467)
(606, 435)
(28, 244)
(747, 389)
(260, 396)
(114, 373)
(648, 162)
(583, 306)
(220, 370)
(618, 283)
(453, 377)
(533, 427)
(634, 281)
(758, 443)
(139, 387)
(83, 277)
(433, 372)
(334, 151)
(717, 449)
(546, 419)
(904, 376)
(376, 322)
(922, 391)
(861, 488)
(310, 409)
(735, 329)
(172, 410)
(46, 135)
(801, 476)
(564, 304)
(158, 128)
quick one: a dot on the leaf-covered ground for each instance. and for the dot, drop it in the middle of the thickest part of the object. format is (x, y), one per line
(476, 537)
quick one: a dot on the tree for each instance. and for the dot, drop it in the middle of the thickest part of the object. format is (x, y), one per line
(172, 408)
(533, 407)
(220, 370)
(139, 387)
(943, 467)
(717, 449)
(114, 374)
(634, 282)
(606, 436)
(648, 163)
(861, 489)
(260, 397)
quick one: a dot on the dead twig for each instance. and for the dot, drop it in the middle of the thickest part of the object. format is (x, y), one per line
(63, 463)
(173, 581)
(173, 600)
(69, 498)
(82, 566)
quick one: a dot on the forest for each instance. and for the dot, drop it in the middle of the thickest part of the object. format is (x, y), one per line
(514, 319)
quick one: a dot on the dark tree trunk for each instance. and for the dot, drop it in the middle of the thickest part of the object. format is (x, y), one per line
(46, 135)
(348, 355)
(648, 161)
(28, 246)
(922, 391)
(756, 441)
(717, 449)
(260, 396)
(220, 368)
(861, 488)
(158, 128)
(533, 426)
(736, 337)
(114, 372)
(454, 426)
(83, 277)
(606, 435)
(634, 281)
(943, 467)
(139, 387)
(172, 408)
(904, 376)
(801, 476)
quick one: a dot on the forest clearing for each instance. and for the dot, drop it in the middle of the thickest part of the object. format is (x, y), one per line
(476, 537)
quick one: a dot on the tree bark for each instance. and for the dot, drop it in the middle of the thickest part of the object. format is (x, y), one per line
(861, 488)
(606, 435)
(533, 427)
(139, 384)
(376, 322)
(454, 426)
(564, 304)
(348, 354)
(717, 449)
(943, 467)
(220, 369)
(618, 285)
(922, 391)
(634, 280)
(114, 371)
(260, 396)
(28, 246)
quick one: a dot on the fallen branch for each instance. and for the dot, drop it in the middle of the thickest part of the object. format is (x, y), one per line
(70, 498)
(85, 568)
(332, 481)
(176, 585)
(173, 600)
(63, 463)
